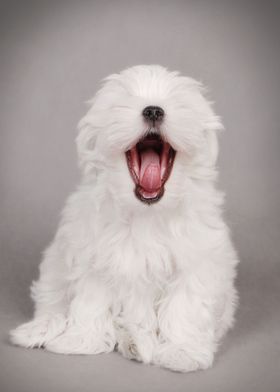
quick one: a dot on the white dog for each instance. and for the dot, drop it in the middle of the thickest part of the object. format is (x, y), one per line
(142, 259)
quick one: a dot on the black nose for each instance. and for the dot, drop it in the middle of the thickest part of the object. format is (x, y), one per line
(153, 113)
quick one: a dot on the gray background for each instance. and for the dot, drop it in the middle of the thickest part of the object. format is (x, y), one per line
(53, 55)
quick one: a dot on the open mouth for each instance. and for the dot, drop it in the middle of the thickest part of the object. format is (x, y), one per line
(150, 163)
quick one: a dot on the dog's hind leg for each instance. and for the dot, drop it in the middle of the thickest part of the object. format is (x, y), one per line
(225, 310)
(50, 295)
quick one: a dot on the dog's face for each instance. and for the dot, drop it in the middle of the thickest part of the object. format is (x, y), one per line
(148, 132)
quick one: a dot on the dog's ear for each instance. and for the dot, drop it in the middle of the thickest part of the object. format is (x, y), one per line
(212, 127)
(212, 146)
(86, 143)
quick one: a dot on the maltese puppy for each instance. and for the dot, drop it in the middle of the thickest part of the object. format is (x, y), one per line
(142, 261)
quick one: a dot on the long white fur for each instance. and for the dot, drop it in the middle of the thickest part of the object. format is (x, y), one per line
(157, 281)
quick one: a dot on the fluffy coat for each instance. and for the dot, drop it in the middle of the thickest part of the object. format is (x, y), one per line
(154, 281)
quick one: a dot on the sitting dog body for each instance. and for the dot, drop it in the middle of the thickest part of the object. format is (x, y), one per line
(142, 259)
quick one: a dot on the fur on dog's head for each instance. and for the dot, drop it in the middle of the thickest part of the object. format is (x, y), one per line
(143, 158)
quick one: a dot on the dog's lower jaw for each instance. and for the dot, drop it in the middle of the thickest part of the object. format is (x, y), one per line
(150, 164)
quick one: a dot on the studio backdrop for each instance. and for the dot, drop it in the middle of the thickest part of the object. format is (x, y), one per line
(53, 56)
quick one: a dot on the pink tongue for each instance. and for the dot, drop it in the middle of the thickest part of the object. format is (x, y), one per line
(149, 177)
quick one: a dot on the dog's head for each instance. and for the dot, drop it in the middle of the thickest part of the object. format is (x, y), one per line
(148, 133)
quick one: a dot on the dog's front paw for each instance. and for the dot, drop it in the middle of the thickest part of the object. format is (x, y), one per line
(139, 347)
(38, 332)
(79, 341)
(179, 358)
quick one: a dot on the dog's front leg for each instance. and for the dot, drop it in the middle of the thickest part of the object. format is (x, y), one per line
(186, 330)
(89, 321)
(136, 325)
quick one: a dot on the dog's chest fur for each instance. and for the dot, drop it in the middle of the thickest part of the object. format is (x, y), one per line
(142, 246)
